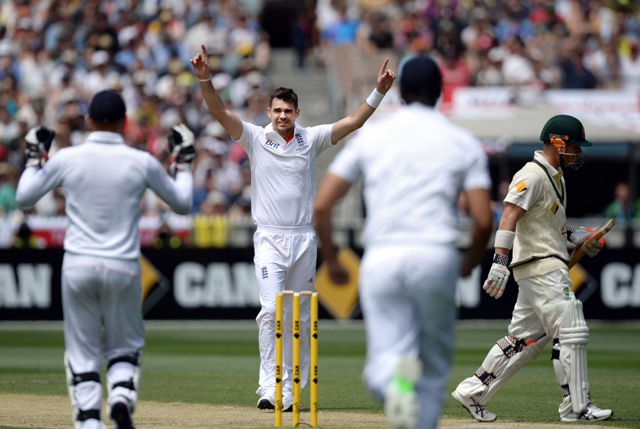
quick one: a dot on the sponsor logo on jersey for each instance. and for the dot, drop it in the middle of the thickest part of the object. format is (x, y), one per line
(271, 143)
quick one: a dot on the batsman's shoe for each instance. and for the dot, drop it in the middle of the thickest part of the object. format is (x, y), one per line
(590, 414)
(401, 402)
(477, 411)
(287, 404)
(267, 402)
(121, 414)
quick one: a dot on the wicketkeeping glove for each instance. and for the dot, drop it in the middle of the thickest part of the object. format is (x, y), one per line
(181, 147)
(39, 141)
(498, 276)
(582, 235)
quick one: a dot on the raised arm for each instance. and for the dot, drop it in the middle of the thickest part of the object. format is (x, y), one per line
(229, 121)
(358, 117)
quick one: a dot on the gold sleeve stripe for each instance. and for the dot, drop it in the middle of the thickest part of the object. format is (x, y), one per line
(521, 186)
(554, 207)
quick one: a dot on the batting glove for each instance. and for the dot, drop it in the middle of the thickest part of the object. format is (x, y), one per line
(181, 147)
(498, 276)
(38, 141)
(581, 235)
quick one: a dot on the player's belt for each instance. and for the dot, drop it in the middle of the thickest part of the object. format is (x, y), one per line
(285, 229)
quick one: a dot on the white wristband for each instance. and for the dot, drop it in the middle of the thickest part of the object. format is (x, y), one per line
(374, 99)
(203, 80)
(504, 239)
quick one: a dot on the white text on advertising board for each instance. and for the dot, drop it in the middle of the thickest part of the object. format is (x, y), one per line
(620, 285)
(215, 285)
(29, 285)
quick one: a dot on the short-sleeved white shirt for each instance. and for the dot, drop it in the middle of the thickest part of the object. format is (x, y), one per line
(283, 175)
(414, 163)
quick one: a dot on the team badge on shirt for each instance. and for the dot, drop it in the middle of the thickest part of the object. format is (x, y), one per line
(554, 207)
(521, 186)
(301, 143)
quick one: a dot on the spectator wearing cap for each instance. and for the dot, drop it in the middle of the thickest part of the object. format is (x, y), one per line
(490, 71)
(517, 68)
(102, 76)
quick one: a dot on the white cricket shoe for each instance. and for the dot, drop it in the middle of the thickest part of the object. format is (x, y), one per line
(590, 414)
(401, 402)
(287, 403)
(477, 411)
(267, 402)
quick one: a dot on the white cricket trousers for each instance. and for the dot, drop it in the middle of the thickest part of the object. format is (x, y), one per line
(284, 260)
(407, 298)
(102, 319)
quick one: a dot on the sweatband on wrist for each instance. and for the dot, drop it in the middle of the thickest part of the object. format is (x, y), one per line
(374, 99)
(570, 232)
(203, 80)
(504, 239)
(500, 259)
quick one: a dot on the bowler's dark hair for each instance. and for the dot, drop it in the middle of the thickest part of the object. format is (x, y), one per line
(285, 94)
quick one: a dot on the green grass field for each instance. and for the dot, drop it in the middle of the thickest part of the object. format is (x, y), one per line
(217, 363)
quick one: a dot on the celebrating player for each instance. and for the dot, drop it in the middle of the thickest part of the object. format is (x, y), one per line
(534, 225)
(103, 182)
(283, 168)
(411, 264)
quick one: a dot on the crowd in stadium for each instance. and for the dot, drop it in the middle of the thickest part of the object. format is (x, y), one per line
(55, 54)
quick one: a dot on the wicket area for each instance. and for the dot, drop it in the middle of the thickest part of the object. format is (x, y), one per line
(313, 352)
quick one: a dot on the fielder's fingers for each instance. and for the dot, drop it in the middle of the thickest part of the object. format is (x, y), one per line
(384, 66)
(204, 50)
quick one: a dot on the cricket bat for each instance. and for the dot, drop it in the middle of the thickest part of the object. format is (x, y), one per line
(579, 251)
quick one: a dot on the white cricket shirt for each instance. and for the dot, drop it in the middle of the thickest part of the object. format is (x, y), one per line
(283, 175)
(413, 164)
(103, 182)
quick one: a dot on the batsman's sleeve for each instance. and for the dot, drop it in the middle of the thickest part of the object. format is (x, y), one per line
(346, 164)
(177, 193)
(525, 190)
(36, 181)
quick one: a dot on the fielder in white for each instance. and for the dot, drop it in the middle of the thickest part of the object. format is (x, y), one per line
(283, 157)
(103, 181)
(414, 164)
(534, 225)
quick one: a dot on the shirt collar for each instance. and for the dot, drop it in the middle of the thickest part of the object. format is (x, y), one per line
(556, 174)
(105, 137)
(273, 135)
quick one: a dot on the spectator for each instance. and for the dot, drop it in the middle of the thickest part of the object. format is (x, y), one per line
(630, 66)
(343, 31)
(576, 75)
(9, 176)
(622, 208)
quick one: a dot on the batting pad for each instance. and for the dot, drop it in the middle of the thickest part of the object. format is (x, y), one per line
(574, 337)
(505, 367)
